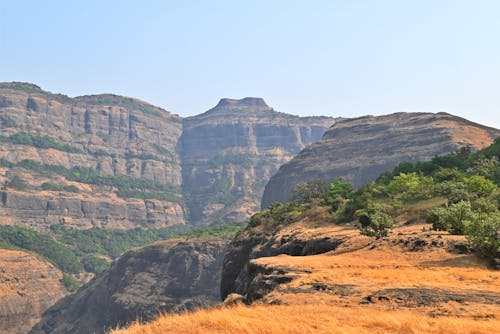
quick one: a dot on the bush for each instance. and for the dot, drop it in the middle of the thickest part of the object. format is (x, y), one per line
(277, 214)
(17, 183)
(480, 185)
(375, 222)
(94, 264)
(70, 283)
(307, 191)
(482, 231)
(411, 186)
(451, 218)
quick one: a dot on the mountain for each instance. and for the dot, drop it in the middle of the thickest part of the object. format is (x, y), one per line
(116, 162)
(230, 152)
(360, 149)
(92, 161)
(29, 286)
(167, 276)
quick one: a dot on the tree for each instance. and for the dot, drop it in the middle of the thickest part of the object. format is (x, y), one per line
(411, 186)
(375, 222)
(338, 194)
(480, 185)
(451, 218)
(483, 232)
(307, 191)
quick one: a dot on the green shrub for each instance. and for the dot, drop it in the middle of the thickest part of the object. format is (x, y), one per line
(94, 264)
(375, 221)
(482, 231)
(451, 218)
(17, 183)
(307, 191)
(70, 283)
(479, 185)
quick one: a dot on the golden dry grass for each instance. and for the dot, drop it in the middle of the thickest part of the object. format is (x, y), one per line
(367, 269)
(302, 319)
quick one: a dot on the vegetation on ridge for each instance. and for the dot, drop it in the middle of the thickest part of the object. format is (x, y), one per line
(460, 191)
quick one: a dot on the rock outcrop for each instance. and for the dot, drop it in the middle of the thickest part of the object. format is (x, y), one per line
(361, 149)
(28, 286)
(256, 242)
(230, 152)
(167, 276)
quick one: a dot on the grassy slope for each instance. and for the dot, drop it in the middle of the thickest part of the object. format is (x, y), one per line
(365, 269)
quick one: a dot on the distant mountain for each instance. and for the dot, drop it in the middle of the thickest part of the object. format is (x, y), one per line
(229, 153)
(117, 162)
(361, 149)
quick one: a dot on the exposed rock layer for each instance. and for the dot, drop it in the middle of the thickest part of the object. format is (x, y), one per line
(230, 152)
(226, 155)
(112, 135)
(29, 286)
(361, 149)
(167, 276)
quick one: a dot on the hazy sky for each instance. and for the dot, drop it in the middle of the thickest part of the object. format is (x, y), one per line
(340, 58)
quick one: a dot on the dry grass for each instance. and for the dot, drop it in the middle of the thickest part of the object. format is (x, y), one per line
(367, 266)
(302, 319)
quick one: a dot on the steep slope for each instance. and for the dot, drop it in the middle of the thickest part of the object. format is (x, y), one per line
(230, 152)
(361, 149)
(92, 161)
(28, 286)
(167, 276)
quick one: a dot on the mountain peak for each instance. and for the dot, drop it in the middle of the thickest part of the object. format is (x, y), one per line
(245, 103)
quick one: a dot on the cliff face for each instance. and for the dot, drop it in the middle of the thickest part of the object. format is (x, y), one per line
(115, 162)
(229, 153)
(361, 149)
(101, 160)
(28, 286)
(167, 276)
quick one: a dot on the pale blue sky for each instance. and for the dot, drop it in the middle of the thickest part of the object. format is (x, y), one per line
(338, 58)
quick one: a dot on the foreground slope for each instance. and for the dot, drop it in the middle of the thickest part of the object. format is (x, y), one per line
(361, 149)
(230, 152)
(410, 282)
(167, 276)
(28, 286)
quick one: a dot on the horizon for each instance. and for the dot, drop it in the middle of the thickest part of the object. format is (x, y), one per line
(319, 58)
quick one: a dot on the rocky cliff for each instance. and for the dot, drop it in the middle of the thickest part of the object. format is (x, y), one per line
(230, 152)
(29, 286)
(103, 160)
(167, 276)
(115, 162)
(361, 149)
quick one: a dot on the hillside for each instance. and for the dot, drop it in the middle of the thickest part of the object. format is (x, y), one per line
(361, 149)
(416, 251)
(114, 162)
(29, 286)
